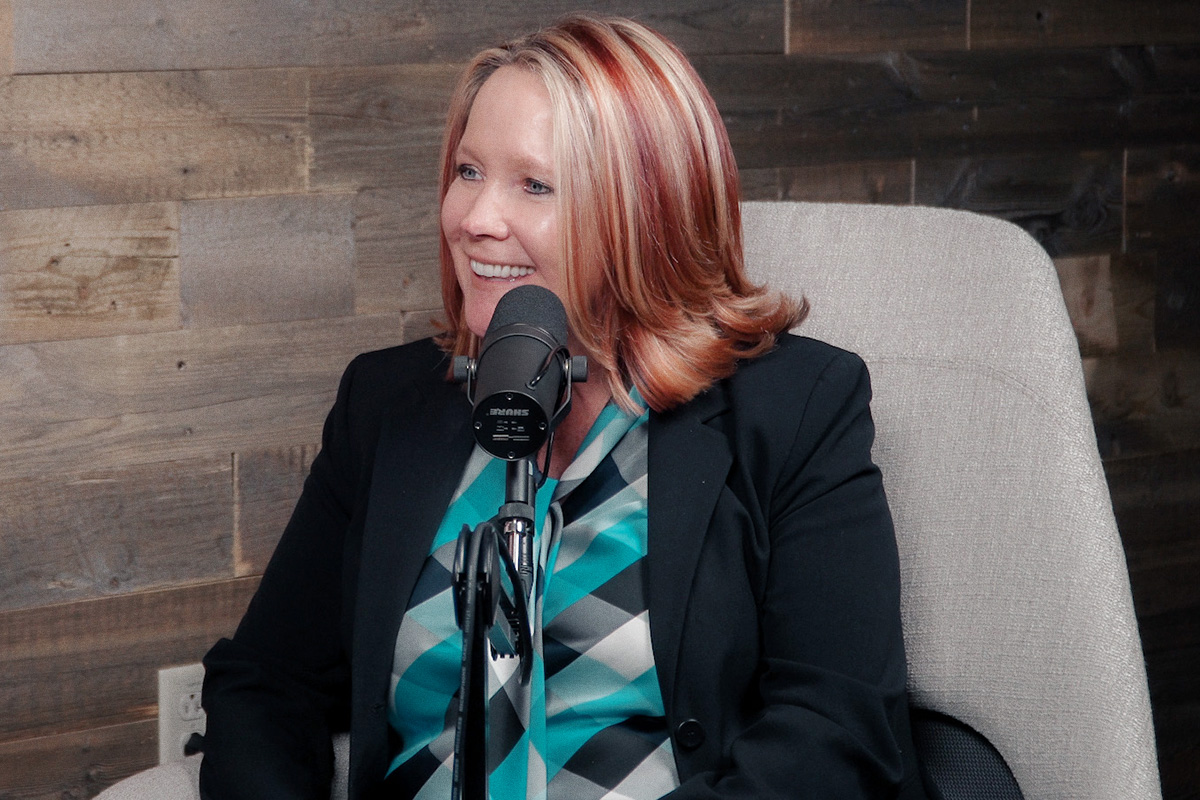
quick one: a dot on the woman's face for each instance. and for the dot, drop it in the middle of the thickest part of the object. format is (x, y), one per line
(500, 213)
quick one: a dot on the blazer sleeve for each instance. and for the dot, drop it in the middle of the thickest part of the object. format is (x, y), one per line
(829, 710)
(276, 690)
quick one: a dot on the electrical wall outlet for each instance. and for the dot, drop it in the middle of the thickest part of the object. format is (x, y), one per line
(179, 711)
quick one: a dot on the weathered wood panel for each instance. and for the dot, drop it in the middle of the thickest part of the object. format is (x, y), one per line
(379, 126)
(268, 483)
(68, 140)
(6, 38)
(88, 271)
(1157, 502)
(888, 182)
(801, 111)
(1134, 289)
(77, 764)
(98, 532)
(1087, 98)
(796, 111)
(266, 259)
(162, 397)
(863, 26)
(1163, 218)
(422, 324)
(396, 250)
(1163, 189)
(95, 663)
(1082, 23)
(1144, 404)
(764, 183)
(1177, 305)
(1167, 111)
(1087, 288)
(1070, 202)
(837, 182)
(125, 35)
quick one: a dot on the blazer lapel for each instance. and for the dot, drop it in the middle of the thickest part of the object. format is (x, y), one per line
(688, 463)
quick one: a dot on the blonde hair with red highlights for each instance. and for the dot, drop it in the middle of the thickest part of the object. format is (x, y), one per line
(655, 285)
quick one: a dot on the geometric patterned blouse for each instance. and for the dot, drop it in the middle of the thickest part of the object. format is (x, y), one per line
(589, 723)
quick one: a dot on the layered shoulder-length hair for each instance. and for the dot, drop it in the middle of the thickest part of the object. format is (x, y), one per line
(649, 196)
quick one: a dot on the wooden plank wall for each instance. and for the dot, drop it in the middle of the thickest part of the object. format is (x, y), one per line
(206, 208)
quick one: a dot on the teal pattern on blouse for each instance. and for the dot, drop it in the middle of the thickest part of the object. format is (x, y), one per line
(590, 723)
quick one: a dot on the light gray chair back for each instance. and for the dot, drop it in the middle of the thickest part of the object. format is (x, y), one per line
(1017, 612)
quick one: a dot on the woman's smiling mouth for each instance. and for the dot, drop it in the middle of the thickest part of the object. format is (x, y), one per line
(499, 270)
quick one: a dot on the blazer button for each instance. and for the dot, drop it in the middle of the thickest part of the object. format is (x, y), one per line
(689, 734)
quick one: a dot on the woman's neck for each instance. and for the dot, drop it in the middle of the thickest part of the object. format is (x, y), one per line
(587, 401)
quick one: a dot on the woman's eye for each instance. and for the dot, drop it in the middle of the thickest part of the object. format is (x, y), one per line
(467, 172)
(537, 187)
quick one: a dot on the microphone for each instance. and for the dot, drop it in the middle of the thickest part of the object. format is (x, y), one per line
(520, 389)
(520, 386)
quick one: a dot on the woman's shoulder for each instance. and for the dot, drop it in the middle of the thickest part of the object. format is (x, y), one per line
(798, 364)
(383, 377)
(420, 357)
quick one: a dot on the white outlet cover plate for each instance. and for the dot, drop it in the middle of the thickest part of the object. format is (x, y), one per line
(179, 714)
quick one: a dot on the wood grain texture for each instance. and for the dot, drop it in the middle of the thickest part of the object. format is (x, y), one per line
(862, 26)
(1177, 304)
(267, 482)
(1166, 112)
(1070, 202)
(124, 35)
(68, 140)
(1087, 288)
(266, 259)
(396, 250)
(76, 764)
(889, 182)
(1163, 189)
(1145, 404)
(1157, 501)
(6, 38)
(98, 532)
(1163, 219)
(423, 324)
(761, 184)
(804, 110)
(90, 271)
(267, 485)
(379, 126)
(1081, 23)
(95, 663)
(164, 397)
(837, 182)
(1134, 290)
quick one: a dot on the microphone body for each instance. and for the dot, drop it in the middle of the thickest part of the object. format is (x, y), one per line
(520, 384)
(520, 388)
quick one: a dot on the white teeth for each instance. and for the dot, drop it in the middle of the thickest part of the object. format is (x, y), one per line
(499, 270)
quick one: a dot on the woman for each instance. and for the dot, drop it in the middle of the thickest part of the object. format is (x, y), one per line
(717, 607)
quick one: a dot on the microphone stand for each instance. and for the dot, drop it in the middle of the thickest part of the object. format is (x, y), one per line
(491, 613)
(491, 590)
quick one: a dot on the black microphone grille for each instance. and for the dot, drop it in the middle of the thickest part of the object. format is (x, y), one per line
(532, 305)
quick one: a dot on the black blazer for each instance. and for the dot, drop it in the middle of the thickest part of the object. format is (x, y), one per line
(772, 577)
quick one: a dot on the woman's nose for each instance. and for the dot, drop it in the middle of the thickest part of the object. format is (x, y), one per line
(486, 215)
